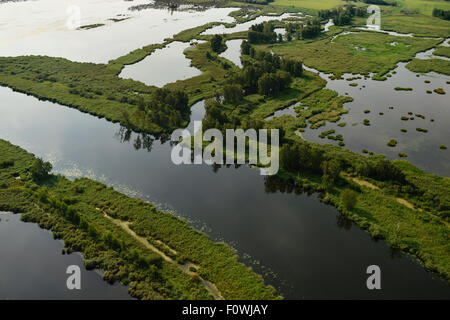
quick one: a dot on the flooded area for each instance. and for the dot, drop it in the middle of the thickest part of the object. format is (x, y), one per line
(386, 107)
(233, 52)
(49, 27)
(221, 29)
(155, 71)
(299, 244)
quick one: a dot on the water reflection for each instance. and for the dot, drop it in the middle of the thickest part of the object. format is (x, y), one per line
(39, 28)
(383, 106)
(163, 66)
(292, 234)
(33, 267)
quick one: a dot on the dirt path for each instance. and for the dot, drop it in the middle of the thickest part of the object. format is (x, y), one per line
(209, 286)
(367, 184)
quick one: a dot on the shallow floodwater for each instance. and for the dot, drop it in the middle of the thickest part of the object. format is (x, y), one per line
(163, 66)
(233, 52)
(286, 111)
(221, 29)
(42, 27)
(32, 266)
(312, 252)
(423, 149)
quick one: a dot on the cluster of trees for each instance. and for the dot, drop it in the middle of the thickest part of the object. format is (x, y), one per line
(40, 170)
(302, 156)
(442, 14)
(273, 83)
(255, 78)
(233, 93)
(343, 15)
(166, 108)
(311, 29)
(262, 33)
(216, 43)
(273, 62)
(266, 74)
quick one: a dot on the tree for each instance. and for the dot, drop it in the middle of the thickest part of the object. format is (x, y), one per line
(349, 199)
(40, 170)
(232, 93)
(331, 168)
(216, 43)
(245, 47)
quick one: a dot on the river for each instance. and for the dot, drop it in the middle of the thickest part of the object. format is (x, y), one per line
(300, 245)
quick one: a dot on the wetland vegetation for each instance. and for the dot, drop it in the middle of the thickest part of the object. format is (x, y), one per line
(160, 256)
(96, 221)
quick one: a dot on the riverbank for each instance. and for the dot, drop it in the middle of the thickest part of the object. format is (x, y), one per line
(75, 212)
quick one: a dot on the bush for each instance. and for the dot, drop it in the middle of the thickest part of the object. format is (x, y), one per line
(216, 43)
(233, 93)
(349, 199)
(392, 143)
(40, 170)
(5, 164)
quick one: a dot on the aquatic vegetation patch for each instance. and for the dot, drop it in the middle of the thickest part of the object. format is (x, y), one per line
(326, 133)
(339, 57)
(99, 222)
(439, 91)
(392, 143)
(425, 66)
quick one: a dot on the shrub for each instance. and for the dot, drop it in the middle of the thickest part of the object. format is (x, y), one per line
(216, 43)
(6, 164)
(392, 143)
(349, 199)
(40, 170)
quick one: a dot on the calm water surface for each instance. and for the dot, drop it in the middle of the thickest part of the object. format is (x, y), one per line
(154, 69)
(32, 266)
(233, 52)
(312, 252)
(300, 245)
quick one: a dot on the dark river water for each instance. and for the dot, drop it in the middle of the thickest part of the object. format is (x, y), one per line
(300, 245)
(32, 266)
